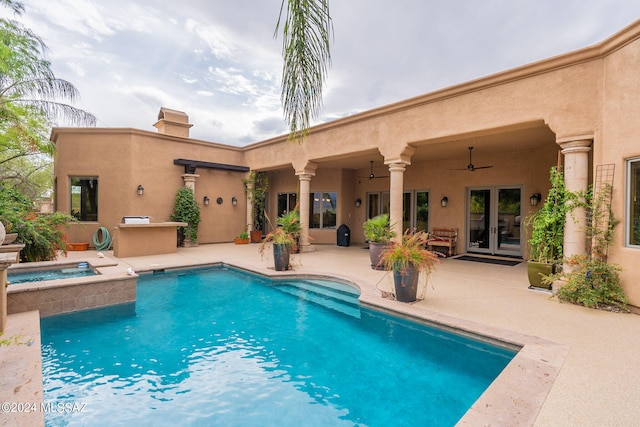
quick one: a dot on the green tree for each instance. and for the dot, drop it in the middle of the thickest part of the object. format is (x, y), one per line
(31, 100)
(307, 30)
(31, 97)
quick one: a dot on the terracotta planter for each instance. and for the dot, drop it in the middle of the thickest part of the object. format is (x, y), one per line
(535, 271)
(375, 252)
(406, 284)
(241, 241)
(281, 255)
(77, 246)
(256, 236)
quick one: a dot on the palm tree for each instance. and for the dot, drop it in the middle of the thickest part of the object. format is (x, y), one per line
(307, 31)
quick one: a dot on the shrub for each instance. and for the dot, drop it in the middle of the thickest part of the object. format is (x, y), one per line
(593, 283)
(186, 209)
(44, 235)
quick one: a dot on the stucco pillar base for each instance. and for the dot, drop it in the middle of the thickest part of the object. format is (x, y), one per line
(4, 264)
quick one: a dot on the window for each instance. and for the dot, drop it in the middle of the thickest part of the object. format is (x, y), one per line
(84, 198)
(286, 202)
(323, 210)
(633, 202)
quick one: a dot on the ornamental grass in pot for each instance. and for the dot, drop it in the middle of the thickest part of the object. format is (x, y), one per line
(407, 259)
(282, 243)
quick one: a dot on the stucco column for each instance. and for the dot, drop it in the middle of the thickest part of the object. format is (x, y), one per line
(4, 264)
(576, 179)
(249, 220)
(305, 184)
(396, 190)
(190, 181)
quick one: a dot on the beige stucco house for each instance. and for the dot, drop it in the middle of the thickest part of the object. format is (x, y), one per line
(580, 110)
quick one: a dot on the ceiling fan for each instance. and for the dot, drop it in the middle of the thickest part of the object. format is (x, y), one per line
(372, 175)
(471, 167)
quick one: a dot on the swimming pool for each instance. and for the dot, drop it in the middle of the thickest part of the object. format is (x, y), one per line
(41, 274)
(217, 346)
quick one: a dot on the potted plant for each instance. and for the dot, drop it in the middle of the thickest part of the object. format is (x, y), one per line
(256, 187)
(186, 209)
(377, 231)
(290, 224)
(547, 232)
(242, 238)
(282, 243)
(407, 259)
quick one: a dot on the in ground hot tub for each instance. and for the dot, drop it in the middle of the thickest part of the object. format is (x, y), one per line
(41, 274)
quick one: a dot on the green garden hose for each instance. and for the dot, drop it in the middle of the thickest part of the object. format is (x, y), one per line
(105, 244)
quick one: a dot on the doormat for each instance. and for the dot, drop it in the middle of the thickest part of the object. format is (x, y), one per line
(508, 262)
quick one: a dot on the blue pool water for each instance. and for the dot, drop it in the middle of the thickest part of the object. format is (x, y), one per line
(218, 347)
(40, 275)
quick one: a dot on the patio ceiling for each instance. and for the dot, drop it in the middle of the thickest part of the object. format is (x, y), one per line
(453, 147)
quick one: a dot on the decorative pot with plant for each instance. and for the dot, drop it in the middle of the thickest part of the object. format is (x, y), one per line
(547, 231)
(256, 187)
(186, 209)
(242, 238)
(407, 259)
(377, 231)
(282, 243)
(289, 222)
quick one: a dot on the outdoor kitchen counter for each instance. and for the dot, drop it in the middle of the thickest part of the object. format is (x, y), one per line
(146, 239)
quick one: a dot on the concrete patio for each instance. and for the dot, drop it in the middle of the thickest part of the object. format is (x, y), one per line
(578, 366)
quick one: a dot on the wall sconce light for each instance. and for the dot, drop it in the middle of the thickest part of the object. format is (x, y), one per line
(358, 203)
(444, 202)
(140, 190)
(535, 199)
(206, 200)
(234, 201)
(219, 200)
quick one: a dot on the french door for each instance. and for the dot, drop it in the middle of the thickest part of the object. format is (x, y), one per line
(494, 217)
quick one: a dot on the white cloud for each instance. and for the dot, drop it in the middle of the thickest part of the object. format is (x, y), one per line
(220, 64)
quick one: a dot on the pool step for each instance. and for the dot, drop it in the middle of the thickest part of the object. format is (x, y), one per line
(334, 299)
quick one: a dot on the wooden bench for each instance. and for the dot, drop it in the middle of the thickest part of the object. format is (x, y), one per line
(445, 237)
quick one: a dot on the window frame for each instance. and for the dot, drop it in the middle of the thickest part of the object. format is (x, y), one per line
(312, 211)
(80, 214)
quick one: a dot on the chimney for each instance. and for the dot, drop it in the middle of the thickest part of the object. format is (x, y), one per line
(172, 122)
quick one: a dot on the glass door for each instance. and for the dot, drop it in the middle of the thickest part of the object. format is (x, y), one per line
(415, 210)
(509, 213)
(494, 217)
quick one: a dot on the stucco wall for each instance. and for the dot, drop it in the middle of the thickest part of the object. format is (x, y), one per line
(122, 159)
(619, 140)
(514, 119)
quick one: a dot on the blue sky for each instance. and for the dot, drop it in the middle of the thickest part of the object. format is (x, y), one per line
(218, 60)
